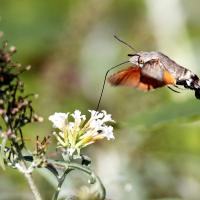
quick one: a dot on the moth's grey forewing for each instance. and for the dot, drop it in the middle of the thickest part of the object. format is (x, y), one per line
(153, 69)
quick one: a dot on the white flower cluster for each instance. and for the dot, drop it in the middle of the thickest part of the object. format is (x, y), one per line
(74, 132)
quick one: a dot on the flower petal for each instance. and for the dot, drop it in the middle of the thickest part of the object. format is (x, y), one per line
(108, 132)
(59, 120)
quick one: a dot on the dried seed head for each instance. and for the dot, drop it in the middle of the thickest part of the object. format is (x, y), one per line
(37, 118)
(28, 67)
(13, 49)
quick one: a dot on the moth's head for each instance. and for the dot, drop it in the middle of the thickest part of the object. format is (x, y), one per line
(142, 57)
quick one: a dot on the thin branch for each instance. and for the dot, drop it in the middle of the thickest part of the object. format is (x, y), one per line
(33, 187)
(60, 182)
(101, 188)
(31, 183)
(72, 166)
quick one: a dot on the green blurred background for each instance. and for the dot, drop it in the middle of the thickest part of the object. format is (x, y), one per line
(70, 45)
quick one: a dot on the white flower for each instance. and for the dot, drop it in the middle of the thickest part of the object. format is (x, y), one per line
(93, 113)
(108, 132)
(107, 117)
(96, 124)
(59, 120)
(71, 126)
(77, 115)
(79, 133)
(78, 118)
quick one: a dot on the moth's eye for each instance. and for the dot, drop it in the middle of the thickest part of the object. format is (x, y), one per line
(140, 61)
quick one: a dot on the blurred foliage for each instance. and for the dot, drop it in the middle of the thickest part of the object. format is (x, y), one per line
(70, 46)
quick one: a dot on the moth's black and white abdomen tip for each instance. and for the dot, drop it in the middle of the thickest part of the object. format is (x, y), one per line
(197, 93)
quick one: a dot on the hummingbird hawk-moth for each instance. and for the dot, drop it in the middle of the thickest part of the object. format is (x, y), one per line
(152, 70)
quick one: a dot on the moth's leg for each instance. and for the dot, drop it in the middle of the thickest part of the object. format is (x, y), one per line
(173, 89)
(179, 87)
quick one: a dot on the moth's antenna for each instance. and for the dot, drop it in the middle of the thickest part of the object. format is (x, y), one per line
(128, 45)
(105, 82)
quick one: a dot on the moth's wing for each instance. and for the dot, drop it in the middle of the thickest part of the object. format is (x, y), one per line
(127, 77)
(154, 73)
(153, 69)
(130, 77)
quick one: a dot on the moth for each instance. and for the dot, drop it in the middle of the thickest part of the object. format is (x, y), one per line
(152, 70)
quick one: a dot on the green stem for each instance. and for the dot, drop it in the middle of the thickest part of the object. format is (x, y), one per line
(101, 188)
(60, 182)
(72, 166)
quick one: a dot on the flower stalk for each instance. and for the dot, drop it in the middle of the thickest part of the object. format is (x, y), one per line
(94, 179)
(32, 186)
